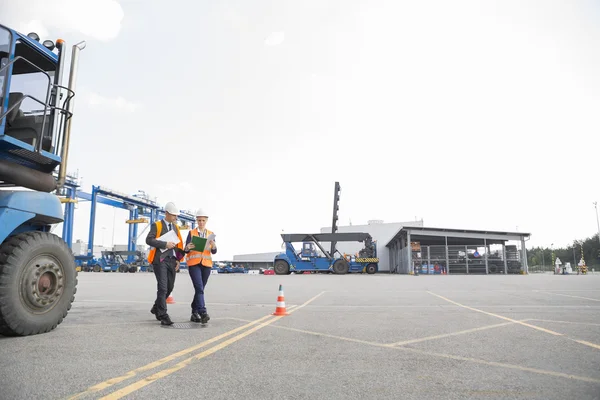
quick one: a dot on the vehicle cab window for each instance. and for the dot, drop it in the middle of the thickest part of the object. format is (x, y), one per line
(28, 90)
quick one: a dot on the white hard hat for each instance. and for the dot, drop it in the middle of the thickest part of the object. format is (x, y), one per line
(171, 208)
(200, 213)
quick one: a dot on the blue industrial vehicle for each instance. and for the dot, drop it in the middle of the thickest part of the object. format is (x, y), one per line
(87, 263)
(38, 277)
(309, 259)
(225, 269)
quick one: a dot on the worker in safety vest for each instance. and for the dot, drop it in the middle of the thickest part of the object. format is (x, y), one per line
(199, 264)
(165, 263)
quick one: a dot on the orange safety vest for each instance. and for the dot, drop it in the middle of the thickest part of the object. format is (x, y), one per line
(158, 229)
(204, 258)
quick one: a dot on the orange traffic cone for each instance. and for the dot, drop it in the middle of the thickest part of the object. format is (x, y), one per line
(170, 299)
(280, 309)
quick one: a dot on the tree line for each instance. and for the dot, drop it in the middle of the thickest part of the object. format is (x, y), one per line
(572, 254)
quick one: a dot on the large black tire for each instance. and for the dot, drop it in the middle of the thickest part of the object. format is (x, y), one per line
(281, 267)
(371, 268)
(38, 282)
(341, 267)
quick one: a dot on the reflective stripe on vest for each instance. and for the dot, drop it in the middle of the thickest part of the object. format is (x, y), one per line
(158, 229)
(203, 258)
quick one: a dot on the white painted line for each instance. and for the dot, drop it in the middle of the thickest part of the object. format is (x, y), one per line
(445, 335)
(572, 290)
(521, 323)
(565, 322)
(586, 343)
(498, 316)
(449, 306)
(447, 356)
(501, 365)
(568, 295)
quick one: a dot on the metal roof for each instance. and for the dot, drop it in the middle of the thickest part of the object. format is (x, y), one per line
(459, 233)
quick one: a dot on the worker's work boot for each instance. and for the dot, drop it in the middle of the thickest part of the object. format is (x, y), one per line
(204, 318)
(195, 317)
(166, 320)
(153, 311)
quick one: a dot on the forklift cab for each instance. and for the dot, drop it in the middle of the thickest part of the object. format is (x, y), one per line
(28, 73)
(309, 250)
(35, 109)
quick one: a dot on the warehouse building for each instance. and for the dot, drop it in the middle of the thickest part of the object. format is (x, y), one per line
(255, 261)
(457, 251)
(431, 250)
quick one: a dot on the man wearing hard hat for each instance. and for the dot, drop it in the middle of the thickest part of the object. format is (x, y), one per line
(165, 263)
(199, 266)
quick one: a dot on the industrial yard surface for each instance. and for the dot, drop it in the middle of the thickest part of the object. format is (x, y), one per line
(346, 337)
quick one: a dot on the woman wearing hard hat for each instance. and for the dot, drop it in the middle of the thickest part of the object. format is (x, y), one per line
(199, 266)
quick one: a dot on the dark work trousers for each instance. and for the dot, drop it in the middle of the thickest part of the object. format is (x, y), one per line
(165, 280)
(199, 275)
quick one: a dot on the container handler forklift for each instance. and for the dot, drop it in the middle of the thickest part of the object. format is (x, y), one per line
(38, 277)
(310, 260)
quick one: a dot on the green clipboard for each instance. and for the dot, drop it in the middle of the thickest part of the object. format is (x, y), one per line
(199, 243)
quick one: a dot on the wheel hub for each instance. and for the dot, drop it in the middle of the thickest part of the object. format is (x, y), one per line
(43, 284)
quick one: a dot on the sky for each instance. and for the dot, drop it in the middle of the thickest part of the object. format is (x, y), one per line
(466, 114)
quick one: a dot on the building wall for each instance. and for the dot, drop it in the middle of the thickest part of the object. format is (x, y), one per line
(79, 248)
(257, 257)
(381, 232)
(123, 247)
(255, 261)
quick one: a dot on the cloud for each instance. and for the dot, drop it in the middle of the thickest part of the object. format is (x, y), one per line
(96, 19)
(275, 39)
(178, 192)
(118, 103)
(184, 186)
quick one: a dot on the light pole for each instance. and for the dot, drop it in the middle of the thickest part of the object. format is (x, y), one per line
(552, 254)
(597, 221)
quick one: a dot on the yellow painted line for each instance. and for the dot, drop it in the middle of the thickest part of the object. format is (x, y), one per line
(445, 335)
(168, 371)
(442, 355)
(497, 316)
(568, 295)
(113, 381)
